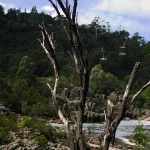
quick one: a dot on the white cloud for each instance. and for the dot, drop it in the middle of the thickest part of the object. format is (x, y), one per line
(85, 18)
(137, 8)
(7, 5)
(54, 14)
(47, 8)
(51, 10)
(28, 11)
(133, 15)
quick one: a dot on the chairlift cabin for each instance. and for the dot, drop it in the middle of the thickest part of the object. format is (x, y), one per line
(103, 51)
(122, 51)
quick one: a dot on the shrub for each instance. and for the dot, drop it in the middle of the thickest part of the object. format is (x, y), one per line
(25, 108)
(140, 136)
(7, 123)
(143, 99)
(104, 83)
(46, 130)
(25, 121)
(41, 141)
(43, 109)
(40, 125)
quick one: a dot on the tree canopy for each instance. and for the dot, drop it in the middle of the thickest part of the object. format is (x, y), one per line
(21, 58)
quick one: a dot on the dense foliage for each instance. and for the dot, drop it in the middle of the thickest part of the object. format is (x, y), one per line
(24, 68)
(32, 127)
(7, 124)
(104, 83)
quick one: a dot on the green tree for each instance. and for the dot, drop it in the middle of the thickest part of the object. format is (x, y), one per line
(26, 69)
(143, 100)
(144, 72)
(34, 10)
(12, 13)
(4, 91)
(102, 82)
(1, 10)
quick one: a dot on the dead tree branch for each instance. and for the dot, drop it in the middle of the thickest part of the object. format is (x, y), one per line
(138, 93)
(130, 82)
(113, 120)
(50, 52)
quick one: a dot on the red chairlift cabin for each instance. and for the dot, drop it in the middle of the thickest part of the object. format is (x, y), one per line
(122, 51)
(103, 51)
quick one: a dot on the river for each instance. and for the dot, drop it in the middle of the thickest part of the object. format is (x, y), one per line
(124, 130)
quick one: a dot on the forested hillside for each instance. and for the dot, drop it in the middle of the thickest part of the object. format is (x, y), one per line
(24, 69)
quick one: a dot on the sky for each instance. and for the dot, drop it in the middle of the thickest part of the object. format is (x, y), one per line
(131, 15)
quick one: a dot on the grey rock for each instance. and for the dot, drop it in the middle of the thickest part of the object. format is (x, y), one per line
(4, 109)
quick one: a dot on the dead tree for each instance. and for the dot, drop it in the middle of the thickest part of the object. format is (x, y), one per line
(113, 118)
(78, 54)
(79, 57)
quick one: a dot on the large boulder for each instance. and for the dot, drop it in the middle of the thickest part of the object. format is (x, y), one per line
(4, 109)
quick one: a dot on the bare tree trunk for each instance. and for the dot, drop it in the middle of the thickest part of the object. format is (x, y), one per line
(79, 130)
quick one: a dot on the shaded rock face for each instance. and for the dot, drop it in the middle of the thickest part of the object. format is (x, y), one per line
(26, 140)
(4, 109)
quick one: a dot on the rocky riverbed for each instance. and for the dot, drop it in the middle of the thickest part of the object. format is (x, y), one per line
(26, 140)
(33, 139)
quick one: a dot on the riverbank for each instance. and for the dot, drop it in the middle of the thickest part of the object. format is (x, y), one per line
(35, 133)
(124, 134)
